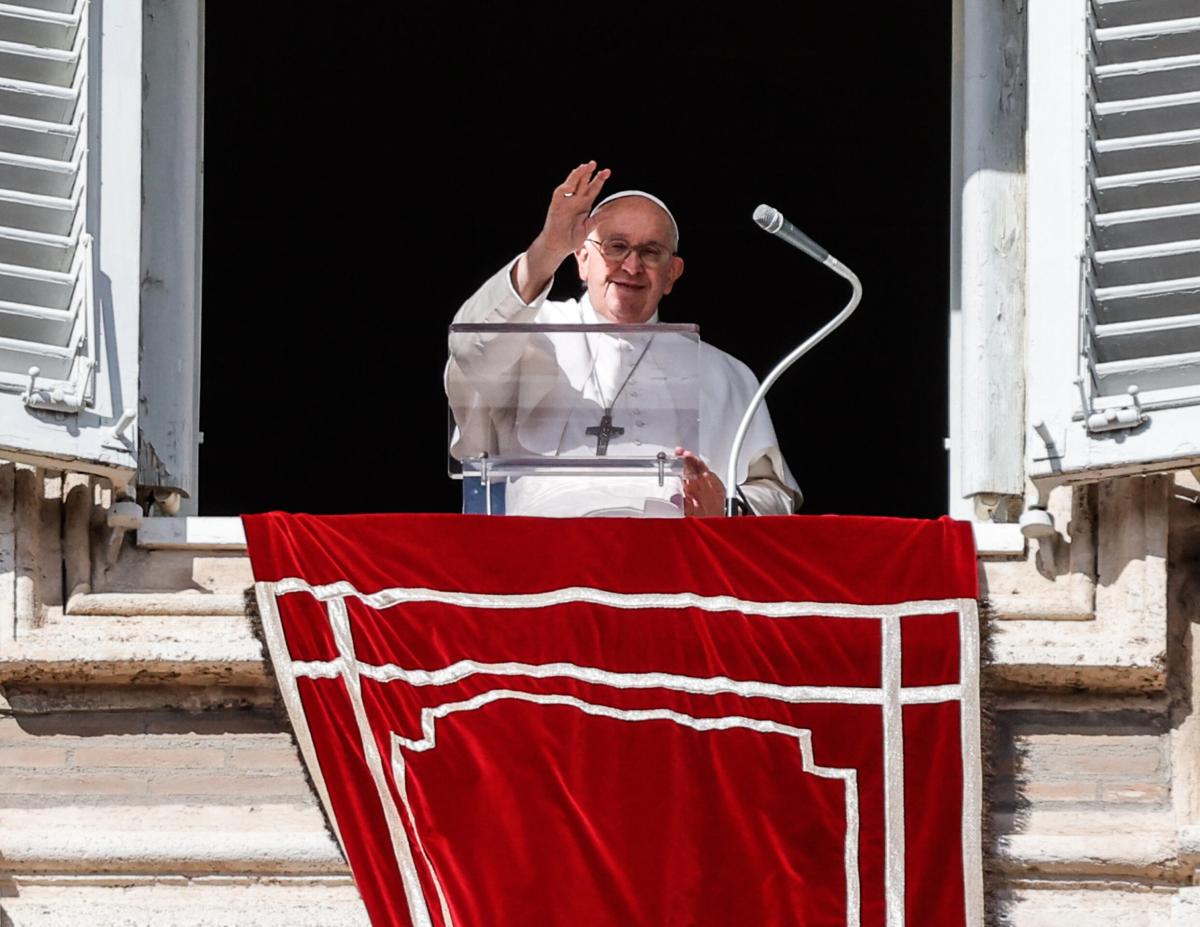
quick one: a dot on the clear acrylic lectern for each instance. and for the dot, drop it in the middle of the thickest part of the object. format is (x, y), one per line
(572, 420)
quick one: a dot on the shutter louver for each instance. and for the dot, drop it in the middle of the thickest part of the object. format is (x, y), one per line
(46, 298)
(1143, 277)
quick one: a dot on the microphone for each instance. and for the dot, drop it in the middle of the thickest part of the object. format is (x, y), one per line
(771, 220)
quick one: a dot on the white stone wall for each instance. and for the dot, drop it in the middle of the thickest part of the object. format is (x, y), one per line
(1095, 754)
(147, 771)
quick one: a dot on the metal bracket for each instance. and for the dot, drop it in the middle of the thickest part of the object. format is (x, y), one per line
(118, 437)
(1052, 455)
(64, 399)
(485, 480)
(1119, 418)
(662, 467)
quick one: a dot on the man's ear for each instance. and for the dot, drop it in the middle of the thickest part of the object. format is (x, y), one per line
(674, 272)
(581, 259)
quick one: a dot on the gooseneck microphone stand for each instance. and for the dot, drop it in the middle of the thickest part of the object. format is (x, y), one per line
(771, 220)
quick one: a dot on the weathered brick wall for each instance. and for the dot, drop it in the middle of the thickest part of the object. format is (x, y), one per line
(108, 756)
(171, 816)
(1096, 752)
(1090, 761)
(147, 774)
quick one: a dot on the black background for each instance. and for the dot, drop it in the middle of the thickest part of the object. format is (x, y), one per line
(364, 172)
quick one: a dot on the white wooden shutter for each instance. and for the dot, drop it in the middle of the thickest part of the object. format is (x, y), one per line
(52, 321)
(1131, 243)
(46, 289)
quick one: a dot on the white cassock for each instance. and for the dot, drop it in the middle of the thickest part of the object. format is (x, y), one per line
(521, 398)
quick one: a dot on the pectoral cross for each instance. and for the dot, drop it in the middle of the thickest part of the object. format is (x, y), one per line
(603, 432)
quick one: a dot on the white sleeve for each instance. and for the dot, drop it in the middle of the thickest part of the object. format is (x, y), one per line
(479, 377)
(486, 358)
(498, 301)
(763, 475)
(766, 493)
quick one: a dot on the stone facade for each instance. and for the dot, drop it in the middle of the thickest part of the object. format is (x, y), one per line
(1095, 756)
(146, 769)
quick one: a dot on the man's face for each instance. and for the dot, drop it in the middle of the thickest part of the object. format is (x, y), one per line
(628, 291)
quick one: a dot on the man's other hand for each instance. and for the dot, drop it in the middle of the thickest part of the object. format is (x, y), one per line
(703, 491)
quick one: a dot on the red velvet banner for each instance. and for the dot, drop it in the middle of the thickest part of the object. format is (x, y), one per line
(767, 721)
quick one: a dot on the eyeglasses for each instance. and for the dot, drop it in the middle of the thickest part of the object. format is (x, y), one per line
(617, 249)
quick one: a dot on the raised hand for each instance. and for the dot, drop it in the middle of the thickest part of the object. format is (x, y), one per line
(566, 223)
(566, 227)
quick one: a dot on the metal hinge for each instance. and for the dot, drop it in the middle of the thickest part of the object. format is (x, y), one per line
(1118, 418)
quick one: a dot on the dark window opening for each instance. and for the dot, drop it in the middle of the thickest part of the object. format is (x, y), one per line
(363, 175)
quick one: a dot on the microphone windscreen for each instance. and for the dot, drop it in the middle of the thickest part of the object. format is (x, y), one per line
(768, 218)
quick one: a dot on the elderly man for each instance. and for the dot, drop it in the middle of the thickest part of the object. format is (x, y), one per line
(625, 249)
